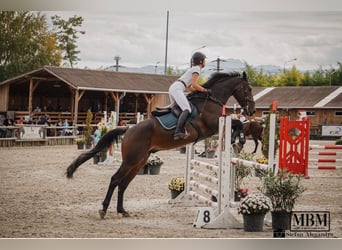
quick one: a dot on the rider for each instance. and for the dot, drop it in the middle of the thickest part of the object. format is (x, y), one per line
(176, 91)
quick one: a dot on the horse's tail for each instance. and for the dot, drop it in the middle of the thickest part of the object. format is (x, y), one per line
(102, 144)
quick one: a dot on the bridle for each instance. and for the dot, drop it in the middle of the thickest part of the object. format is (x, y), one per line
(212, 98)
(247, 99)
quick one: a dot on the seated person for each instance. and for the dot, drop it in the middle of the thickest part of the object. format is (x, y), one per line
(3, 131)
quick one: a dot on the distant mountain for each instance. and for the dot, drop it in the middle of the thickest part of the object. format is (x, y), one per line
(226, 65)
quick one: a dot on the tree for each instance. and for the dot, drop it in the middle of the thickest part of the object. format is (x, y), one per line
(67, 34)
(319, 78)
(290, 78)
(251, 73)
(25, 43)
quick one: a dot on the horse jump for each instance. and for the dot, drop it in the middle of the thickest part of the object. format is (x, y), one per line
(218, 181)
(337, 156)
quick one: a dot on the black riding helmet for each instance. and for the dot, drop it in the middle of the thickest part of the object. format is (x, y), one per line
(197, 58)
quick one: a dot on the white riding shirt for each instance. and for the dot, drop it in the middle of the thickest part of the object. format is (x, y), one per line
(176, 90)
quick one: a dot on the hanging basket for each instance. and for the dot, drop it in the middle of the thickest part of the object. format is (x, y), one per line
(253, 222)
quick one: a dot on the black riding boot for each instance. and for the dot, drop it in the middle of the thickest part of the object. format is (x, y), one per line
(180, 132)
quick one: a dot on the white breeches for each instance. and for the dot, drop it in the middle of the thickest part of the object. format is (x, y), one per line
(176, 94)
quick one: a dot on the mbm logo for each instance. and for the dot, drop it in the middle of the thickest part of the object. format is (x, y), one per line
(310, 221)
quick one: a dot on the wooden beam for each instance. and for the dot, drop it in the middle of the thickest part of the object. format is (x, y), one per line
(30, 96)
(76, 100)
(117, 96)
(81, 93)
(149, 99)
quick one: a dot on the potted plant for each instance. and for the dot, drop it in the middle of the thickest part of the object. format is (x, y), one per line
(80, 143)
(212, 146)
(88, 133)
(283, 189)
(241, 172)
(154, 164)
(99, 132)
(259, 171)
(253, 209)
(176, 186)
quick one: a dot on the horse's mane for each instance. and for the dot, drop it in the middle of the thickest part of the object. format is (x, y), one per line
(218, 76)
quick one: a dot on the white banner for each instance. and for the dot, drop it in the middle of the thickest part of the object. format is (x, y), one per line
(331, 130)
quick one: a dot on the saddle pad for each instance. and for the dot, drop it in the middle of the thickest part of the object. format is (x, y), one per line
(169, 120)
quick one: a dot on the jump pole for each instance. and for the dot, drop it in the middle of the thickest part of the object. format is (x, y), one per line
(206, 216)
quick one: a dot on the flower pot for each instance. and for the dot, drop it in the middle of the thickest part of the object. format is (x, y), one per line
(96, 159)
(88, 145)
(80, 146)
(154, 170)
(103, 156)
(210, 154)
(175, 193)
(281, 220)
(253, 222)
(237, 195)
(259, 172)
(143, 170)
(182, 150)
(240, 194)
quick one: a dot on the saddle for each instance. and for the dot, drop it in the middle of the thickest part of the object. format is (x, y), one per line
(168, 116)
(172, 108)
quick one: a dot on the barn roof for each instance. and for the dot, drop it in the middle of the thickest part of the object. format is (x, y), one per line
(102, 80)
(296, 97)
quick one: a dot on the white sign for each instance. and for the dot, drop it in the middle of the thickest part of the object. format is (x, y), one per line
(31, 132)
(331, 130)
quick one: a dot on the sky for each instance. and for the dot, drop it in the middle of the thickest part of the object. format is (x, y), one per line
(258, 32)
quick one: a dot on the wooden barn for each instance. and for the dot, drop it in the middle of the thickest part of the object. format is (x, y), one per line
(323, 105)
(67, 93)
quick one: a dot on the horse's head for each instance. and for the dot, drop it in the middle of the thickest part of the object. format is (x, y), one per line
(243, 94)
(224, 85)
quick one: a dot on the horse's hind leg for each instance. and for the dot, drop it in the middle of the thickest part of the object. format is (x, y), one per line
(256, 145)
(113, 183)
(122, 188)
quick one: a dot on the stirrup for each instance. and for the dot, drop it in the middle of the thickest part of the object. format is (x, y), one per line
(181, 135)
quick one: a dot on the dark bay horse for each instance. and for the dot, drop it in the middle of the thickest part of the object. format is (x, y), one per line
(148, 136)
(255, 129)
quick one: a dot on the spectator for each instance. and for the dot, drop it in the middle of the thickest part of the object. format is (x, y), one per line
(37, 109)
(43, 121)
(9, 121)
(3, 131)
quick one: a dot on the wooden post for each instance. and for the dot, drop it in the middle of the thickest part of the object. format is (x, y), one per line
(30, 96)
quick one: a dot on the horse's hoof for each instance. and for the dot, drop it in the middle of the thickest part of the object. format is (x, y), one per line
(102, 214)
(124, 213)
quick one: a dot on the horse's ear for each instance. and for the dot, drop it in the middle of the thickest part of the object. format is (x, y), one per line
(244, 75)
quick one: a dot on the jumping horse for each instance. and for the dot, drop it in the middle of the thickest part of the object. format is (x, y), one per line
(149, 136)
